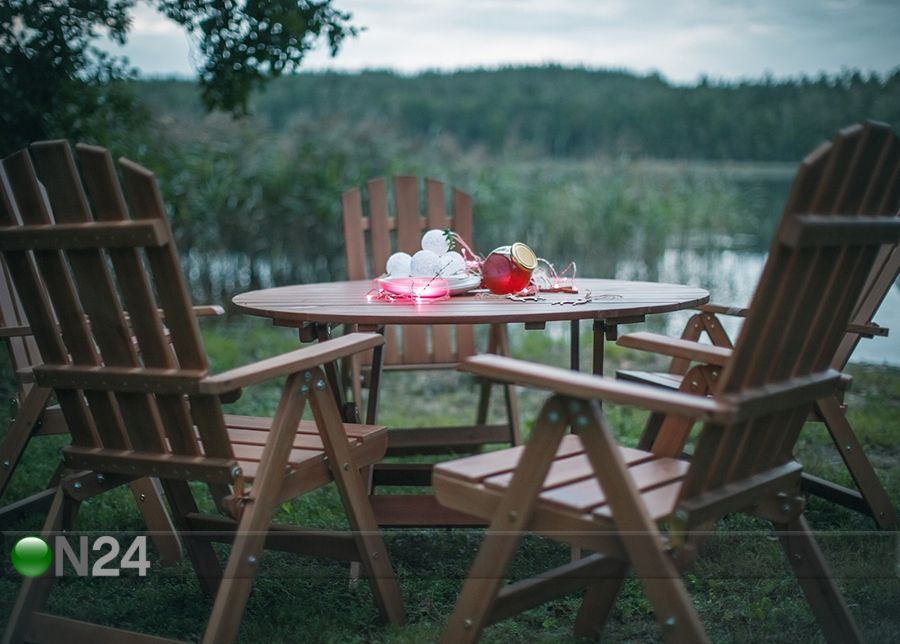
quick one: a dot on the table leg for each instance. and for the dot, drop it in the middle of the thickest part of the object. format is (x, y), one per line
(349, 410)
(374, 381)
(575, 345)
(599, 338)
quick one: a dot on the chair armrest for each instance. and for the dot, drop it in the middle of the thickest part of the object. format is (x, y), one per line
(719, 309)
(288, 363)
(676, 348)
(581, 385)
(208, 310)
(868, 330)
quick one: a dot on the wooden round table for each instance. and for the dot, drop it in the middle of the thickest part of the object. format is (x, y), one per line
(312, 308)
(615, 301)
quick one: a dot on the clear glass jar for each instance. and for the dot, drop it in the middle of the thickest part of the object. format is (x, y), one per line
(508, 268)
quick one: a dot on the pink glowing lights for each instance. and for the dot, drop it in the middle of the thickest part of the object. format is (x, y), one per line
(413, 289)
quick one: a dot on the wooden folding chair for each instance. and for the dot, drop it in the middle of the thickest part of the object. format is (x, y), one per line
(868, 148)
(371, 237)
(587, 491)
(91, 280)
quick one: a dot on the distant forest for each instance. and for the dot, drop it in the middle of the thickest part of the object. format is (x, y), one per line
(561, 112)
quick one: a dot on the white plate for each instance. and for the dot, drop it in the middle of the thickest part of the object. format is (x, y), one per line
(456, 284)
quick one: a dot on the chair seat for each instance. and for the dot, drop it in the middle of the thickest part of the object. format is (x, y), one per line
(248, 435)
(571, 498)
(657, 378)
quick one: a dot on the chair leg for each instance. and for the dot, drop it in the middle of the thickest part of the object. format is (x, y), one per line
(240, 573)
(860, 468)
(148, 496)
(509, 391)
(498, 343)
(476, 600)
(374, 558)
(199, 551)
(598, 602)
(814, 576)
(20, 432)
(35, 590)
(651, 431)
(641, 538)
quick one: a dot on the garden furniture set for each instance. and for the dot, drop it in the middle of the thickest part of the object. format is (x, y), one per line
(98, 316)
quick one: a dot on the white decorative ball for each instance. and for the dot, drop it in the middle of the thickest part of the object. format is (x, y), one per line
(398, 265)
(425, 263)
(435, 241)
(451, 263)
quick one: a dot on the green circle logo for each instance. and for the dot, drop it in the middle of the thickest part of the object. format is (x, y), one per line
(31, 556)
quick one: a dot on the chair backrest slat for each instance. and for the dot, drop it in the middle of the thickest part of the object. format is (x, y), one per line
(409, 236)
(436, 214)
(463, 225)
(415, 344)
(805, 298)
(23, 350)
(380, 226)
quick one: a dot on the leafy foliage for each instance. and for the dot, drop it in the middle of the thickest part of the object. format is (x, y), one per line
(562, 112)
(54, 80)
(56, 83)
(244, 42)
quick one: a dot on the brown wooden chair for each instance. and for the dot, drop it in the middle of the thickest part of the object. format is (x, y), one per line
(91, 279)
(34, 416)
(870, 147)
(585, 490)
(372, 235)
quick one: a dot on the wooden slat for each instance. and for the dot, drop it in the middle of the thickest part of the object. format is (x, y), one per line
(586, 494)
(169, 466)
(585, 386)
(293, 362)
(351, 203)
(53, 629)
(481, 466)
(676, 347)
(463, 225)
(378, 224)
(835, 230)
(82, 235)
(570, 469)
(262, 425)
(379, 228)
(442, 350)
(409, 235)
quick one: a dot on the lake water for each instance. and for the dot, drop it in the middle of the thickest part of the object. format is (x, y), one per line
(707, 225)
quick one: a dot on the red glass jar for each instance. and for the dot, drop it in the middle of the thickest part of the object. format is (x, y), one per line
(508, 269)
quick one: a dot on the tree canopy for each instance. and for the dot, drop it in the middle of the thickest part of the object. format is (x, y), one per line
(56, 81)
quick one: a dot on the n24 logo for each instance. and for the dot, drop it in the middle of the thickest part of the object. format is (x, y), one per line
(135, 557)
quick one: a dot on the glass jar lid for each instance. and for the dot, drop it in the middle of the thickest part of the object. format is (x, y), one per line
(523, 256)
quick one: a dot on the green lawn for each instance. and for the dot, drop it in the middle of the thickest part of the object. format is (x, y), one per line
(741, 586)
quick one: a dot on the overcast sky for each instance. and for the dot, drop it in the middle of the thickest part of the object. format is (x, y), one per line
(681, 39)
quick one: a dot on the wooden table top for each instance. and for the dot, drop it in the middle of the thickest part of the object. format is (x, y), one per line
(346, 302)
